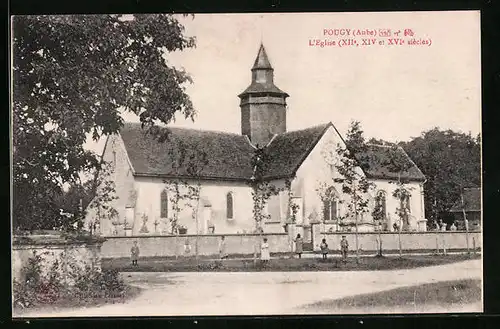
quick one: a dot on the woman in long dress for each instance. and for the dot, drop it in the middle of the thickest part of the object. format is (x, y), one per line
(298, 245)
(264, 252)
(222, 248)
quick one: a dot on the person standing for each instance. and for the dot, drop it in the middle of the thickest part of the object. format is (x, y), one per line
(344, 248)
(299, 242)
(222, 248)
(453, 227)
(324, 248)
(442, 225)
(134, 251)
(265, 256)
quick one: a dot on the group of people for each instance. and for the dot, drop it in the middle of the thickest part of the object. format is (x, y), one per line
(265, 255)
(441, 226)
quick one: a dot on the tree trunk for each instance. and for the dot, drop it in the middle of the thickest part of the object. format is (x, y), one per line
(196, 243)
(399, 239)
(380, 243)
(255, 245)
(437, 243)
(465, 222)
(357, 242)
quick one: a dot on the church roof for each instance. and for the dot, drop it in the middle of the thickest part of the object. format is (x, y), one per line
(378, 155)
(472, 200)
(263, 88)
(287, 151)
(229, 156)
(262, 61)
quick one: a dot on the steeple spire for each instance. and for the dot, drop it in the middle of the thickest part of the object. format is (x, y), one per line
(263, 105)
(262, 61)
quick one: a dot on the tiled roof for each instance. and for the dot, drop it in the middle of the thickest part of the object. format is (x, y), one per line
(378, 155)
(262, 88)
(472, 200)
(229, 156)
(287, 151)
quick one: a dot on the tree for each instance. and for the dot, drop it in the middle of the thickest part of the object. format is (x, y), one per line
(191, 161)
(397, 161)
(103, 196)
(375, 141)
(262, 191)
(450, 162)
(354, 160)
(378, 214)
(72, 77)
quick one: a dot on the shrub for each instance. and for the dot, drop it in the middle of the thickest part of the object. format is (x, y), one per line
(210, 266)
(52, 287)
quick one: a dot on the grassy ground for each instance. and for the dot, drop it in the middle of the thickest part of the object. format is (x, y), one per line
(422, 298)
(68, 303)
(156, 264)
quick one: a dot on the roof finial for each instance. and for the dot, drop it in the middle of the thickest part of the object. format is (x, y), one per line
(261, 29)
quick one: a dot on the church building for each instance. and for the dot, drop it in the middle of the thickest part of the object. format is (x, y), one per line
(145, 169)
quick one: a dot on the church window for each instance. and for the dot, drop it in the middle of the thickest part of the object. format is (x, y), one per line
(229, 205)
(164, 204)
(330, 211)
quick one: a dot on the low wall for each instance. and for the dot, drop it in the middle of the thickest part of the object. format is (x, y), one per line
(162, 246)
(165, 246)
(52, 248)
(410, 241)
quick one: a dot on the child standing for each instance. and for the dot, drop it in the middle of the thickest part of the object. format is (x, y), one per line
(324, 248)
(222, 248)
(344, 248)
(298, 245)
(264, 252)
(134, 251)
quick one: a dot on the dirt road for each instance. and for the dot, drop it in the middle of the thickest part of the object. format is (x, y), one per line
(262, 293)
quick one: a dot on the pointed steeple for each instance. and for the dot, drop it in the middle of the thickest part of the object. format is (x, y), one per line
(262, 61)
(263, 105)
(263, 76)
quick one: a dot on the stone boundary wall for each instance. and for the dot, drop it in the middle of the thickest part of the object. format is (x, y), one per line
(52, 248)
(410, 241)
(163, 246)
(167, 246)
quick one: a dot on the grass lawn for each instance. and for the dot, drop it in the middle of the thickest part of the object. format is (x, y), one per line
(427, 297)
(67, 303)
(158, 264)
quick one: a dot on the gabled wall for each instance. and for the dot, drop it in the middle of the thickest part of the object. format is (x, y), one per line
(122, 175)
(320, 167)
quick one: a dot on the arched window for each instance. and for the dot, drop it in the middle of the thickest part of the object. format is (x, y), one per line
(330, 210)
(164, 204)
(381, 204)
(229, 206)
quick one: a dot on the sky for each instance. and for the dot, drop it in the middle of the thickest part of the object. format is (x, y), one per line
(396, 92)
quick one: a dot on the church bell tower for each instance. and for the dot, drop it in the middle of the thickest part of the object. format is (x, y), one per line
(263, 105)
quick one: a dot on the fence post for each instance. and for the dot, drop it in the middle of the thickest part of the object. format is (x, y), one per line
(474, 245)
